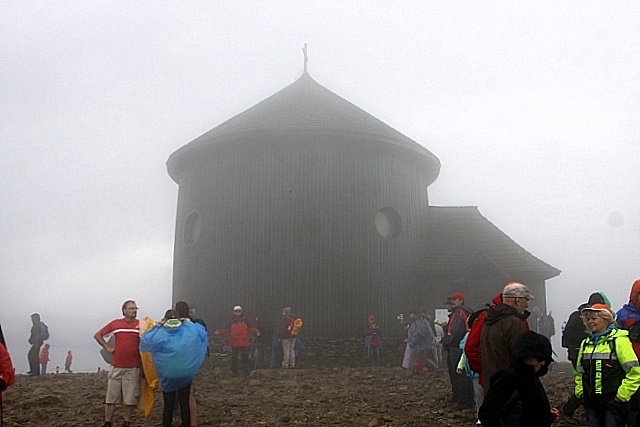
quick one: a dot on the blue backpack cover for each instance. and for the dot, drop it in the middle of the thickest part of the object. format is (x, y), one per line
(177, 352)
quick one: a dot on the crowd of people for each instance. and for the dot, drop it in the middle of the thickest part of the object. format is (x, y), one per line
(178, 345)
(494, 355)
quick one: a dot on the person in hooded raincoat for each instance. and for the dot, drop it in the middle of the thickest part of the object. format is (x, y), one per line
(178, 348)
(521, 382)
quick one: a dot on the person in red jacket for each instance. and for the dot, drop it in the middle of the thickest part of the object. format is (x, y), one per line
(472, 346)
(239, 332)
(7, 377)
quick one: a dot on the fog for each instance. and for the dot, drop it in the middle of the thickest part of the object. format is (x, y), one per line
(532, 108)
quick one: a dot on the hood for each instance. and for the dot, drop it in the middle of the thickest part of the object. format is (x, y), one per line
(497, 299)
(598, 298)
(532, 344)
(635, 290)
(499, 312)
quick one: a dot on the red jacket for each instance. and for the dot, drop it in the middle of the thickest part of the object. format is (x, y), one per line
(6, 367)
(472, 347)
(239, 331)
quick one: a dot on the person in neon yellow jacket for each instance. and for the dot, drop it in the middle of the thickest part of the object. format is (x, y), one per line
(608, 372)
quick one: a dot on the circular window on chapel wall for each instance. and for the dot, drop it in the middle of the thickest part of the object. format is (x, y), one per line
(388, 223)
(192, 228)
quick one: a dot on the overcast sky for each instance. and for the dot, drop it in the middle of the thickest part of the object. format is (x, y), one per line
(533, 109)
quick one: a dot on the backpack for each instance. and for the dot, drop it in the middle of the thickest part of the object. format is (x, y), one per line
(295, 325)
(634, 332)
(44, 331)
(472, 346)
(574, 332)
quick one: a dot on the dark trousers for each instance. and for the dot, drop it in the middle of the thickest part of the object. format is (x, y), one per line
(170, 401)
(373, 353)
(574, 402)
(262, 355)
(34, 360)
(610, 414)
(243, 352)
(461, 384)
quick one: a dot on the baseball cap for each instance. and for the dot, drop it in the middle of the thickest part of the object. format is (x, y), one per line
(237, 308)
(598, 307)
(516, 290)
(457, 295)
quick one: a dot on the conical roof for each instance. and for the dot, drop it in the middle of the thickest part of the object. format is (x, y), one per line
(304, 107)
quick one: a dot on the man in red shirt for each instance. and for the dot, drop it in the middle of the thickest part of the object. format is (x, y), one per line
(123, 386)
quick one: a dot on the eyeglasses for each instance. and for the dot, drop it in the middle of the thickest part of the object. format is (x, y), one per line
(131, 308)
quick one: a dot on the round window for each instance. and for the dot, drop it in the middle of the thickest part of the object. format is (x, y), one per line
(192, 228)
(388, 223)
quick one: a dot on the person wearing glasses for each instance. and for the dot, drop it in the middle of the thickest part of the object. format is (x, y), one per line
(123, 384)
(503, 325)
(521, 381)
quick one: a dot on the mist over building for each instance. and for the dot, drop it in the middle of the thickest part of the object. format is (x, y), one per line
(306, 200)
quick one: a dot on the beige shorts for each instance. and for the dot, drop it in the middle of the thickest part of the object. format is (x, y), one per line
(123, 386)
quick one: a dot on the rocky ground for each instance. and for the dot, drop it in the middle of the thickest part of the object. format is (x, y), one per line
(320, 393)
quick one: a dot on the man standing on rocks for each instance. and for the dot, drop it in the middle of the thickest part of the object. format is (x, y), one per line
(123, 385)
(36, 339)
(503, 325)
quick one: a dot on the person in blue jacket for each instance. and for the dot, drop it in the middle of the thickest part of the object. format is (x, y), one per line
(177, 347)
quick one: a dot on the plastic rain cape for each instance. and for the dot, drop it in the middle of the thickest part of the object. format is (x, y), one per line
(149, 382)
(177, 350)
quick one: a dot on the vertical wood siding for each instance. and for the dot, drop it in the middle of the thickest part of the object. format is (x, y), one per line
(291, 223)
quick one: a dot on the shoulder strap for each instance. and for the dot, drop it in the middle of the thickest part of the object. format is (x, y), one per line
(612, 348)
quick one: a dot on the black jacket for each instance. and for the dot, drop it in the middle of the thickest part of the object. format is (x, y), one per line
(516, 396)
(573, 334)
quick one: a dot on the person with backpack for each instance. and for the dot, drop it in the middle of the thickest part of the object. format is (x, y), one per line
(503, 325)
(472, 344)
(39, 334)
(573, 334)
(628, 318)
(289, 328)
(239, 331)
(422, 342)
(465, 369)
(608, 372)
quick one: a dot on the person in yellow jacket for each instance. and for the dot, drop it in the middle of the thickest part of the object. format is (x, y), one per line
(608, 373)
